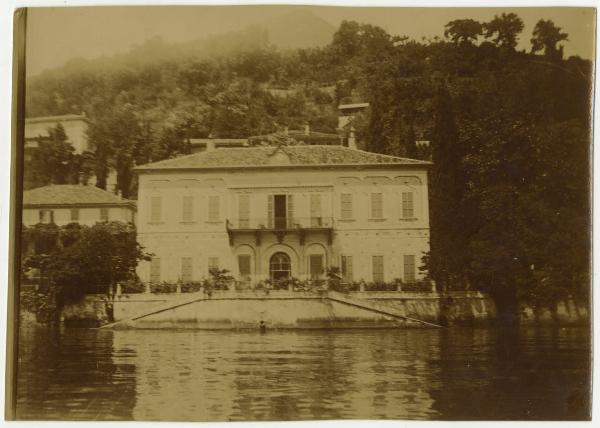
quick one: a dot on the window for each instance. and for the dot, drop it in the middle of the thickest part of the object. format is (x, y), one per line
(346, 206)
(155, 270)
(186, 269)
(46, 216)
(316, 218)
(155, 209)
(347, 273)
(213, 263)
(103, 214)
(376, 205)
(378, 269)
(244, 211)
(408, 210)
(74, 214)
(280, 266)
(280, 209)
(244, 266)
(409, 268)
(315, 262)
(187, 209)
(213, 208)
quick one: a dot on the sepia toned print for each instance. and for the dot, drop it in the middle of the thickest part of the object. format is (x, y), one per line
(245, 213)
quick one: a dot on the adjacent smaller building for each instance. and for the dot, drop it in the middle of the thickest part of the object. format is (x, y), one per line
(69, 203)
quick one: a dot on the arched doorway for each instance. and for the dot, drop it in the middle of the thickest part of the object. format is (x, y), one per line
(280, 266)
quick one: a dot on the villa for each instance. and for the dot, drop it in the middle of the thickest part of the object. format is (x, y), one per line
(282, 212)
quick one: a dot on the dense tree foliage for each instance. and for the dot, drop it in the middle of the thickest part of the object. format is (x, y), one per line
(509, 131)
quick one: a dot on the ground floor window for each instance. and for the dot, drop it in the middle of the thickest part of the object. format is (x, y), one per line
(280, 266)
(346, 268)
(244, 266)
(155, 270)
(377, 268)
(186, 269)
(315, 262)
(409, 268)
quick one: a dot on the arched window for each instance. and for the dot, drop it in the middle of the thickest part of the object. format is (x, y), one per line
(280, 266)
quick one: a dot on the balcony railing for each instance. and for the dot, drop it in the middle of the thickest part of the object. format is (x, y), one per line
(280, 223)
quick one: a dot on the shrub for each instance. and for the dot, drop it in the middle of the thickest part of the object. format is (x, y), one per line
(132, 286)
(163, 287)
(191, 286)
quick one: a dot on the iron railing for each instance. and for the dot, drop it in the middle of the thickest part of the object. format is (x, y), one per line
(280, 223)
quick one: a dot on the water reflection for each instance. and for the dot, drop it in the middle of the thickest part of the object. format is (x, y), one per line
(368, 374)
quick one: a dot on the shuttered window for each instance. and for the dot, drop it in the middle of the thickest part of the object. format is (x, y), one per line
(270, 211)
(155, 209)
(409, 268)
(244, 265)
(186, 269)
(155, 270)
(244, 211)
(103, 214)
(347, 268)
(290, 210)
(346, 206)
(187, 208)
(316, 265)
(46, 216)
(376, 205)
(378, 269)
(213, 263)
(408, 210)
(315, 210)
(213, 208)
(75, 214)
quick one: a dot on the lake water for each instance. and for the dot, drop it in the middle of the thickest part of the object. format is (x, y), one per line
(530, 373)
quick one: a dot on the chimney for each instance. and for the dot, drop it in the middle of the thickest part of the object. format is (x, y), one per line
(210, 146)
(352, 140)
(307, 129)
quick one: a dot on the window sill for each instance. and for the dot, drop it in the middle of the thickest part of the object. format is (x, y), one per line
(214, 222)
(377, 219)
(408, 219)
(187, 222)
(156, 222)
(347, 220)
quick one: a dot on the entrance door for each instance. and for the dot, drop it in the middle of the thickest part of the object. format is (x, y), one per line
(280, 266)
(280, 211)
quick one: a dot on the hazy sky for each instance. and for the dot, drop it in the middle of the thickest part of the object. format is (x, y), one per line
(56, 35)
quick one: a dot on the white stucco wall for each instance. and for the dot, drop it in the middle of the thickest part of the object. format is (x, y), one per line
(87, 215)
(391, 236)
(75, 130)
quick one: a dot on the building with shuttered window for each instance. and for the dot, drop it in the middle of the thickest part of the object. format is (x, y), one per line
(286, 211)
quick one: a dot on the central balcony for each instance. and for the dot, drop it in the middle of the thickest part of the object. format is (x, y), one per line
(280, 226)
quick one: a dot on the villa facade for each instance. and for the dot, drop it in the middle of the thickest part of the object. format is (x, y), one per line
(281, 212)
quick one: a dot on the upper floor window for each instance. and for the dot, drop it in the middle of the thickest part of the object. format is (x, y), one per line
(74, 214)
(213, 208)
(376, 205)
(408, 208)
(155, 209)
(46, 216)
(346, 206)
(187, 208)
(244, 210)
(103, 214)
(316, 216)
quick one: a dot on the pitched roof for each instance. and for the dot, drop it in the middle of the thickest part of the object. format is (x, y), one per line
(72, 194)
(298, 156)
(61, 118)
(312, 137)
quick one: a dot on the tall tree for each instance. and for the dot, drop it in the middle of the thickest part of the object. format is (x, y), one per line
(504, 30)
(463, 31)
(546, 37)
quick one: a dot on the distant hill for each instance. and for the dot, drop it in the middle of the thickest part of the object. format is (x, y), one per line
(298, 29)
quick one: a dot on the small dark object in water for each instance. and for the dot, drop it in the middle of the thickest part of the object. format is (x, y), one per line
(262, 327)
